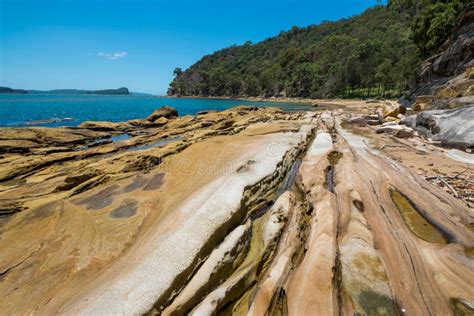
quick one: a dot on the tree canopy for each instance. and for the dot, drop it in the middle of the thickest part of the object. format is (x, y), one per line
(377, 52)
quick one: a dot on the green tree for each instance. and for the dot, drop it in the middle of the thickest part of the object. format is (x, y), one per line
(177, 72)
(347, 57)
(251, 86)
(434, 25)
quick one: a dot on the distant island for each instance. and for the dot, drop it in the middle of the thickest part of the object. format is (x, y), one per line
(122, 90)
(119, 91)
(10, 90)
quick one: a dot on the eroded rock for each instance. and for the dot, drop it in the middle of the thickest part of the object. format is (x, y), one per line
(451, 127)
(163, 112)
(246, 211)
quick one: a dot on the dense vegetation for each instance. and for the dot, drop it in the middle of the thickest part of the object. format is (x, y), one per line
(433, 21)
(375, 54)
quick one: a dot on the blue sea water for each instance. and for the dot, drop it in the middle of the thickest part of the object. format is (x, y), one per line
(71, 110)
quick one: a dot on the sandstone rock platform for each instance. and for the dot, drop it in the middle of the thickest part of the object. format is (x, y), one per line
(245, 211)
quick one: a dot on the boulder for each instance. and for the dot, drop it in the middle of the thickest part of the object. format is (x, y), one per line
(392, 109)
(165, 111)
(453, 127)
(462, 101)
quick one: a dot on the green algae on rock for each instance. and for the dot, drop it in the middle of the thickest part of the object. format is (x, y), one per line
(416, 222)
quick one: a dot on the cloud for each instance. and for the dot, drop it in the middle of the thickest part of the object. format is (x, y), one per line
(113, 56)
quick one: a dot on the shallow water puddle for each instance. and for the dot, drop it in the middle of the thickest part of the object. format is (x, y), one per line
(104, 141)
(418, 224)
(159, 143)
(119, 138)
(461, 307)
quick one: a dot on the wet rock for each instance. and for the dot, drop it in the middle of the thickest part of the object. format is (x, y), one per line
(127, 209)
(166, 112)
(99, 200)
(155, 182)
(137, 183)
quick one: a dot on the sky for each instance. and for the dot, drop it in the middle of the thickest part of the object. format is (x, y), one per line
(100, 44)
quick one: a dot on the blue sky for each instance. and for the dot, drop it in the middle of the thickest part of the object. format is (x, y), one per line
(98, 44)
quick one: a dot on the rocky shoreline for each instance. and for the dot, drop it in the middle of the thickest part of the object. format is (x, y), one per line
(249, 210)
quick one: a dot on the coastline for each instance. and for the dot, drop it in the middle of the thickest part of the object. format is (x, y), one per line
(336, 102)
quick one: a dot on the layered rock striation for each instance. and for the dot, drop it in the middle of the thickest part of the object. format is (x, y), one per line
(246, 211)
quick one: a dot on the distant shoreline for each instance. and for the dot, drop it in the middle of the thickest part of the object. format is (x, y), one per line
(296, 101)
(254, 99)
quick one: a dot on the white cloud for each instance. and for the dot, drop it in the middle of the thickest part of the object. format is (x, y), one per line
(113, 56)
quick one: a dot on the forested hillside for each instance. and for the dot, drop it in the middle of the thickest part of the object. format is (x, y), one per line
(376, 53)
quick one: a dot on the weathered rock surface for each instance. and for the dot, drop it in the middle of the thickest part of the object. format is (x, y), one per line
(453, 127)
(163, 112)
(246, 211)
(393, 109)
(395, 130)
(104, 126)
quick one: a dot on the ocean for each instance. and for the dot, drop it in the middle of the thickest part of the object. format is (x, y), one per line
(19, 110)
